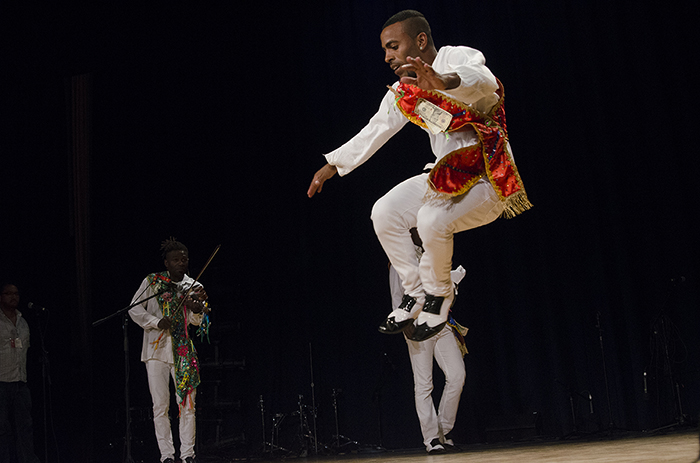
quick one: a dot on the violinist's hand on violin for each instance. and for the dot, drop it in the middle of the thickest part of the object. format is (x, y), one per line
(164, 323)
(195, 305)
(199, 294)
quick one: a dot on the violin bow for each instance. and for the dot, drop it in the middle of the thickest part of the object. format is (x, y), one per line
(187, 293)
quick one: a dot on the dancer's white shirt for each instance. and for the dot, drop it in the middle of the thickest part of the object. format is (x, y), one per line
(477, 89)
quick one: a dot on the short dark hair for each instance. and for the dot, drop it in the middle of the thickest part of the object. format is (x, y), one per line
(5, 283)
(172, 244)
(415, 23)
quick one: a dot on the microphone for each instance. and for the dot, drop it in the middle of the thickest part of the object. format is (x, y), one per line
(32, 305)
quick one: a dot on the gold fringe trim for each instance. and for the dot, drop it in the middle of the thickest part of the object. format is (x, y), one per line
(516, 204)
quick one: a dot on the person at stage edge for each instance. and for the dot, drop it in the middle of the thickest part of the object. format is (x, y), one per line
(166, 304)
(15, 398)
(456, 99)
(448, 349)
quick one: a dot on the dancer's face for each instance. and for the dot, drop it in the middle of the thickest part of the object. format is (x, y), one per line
(397, 45)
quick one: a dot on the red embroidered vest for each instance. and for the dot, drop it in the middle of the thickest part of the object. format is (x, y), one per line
(459, 170)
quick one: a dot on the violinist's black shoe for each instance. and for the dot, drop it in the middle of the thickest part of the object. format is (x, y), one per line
(449, 444)
(433, 317)
(435, 447)
(401, 318)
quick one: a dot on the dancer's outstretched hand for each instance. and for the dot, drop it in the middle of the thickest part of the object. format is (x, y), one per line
(425, 76)
(323, 174)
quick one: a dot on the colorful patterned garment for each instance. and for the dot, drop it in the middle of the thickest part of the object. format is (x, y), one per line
(460, 332)
(459, 170)
(184, 354)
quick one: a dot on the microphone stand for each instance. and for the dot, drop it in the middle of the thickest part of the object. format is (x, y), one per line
(127, 458)
(335, 411)
(261, 405)
(127, 439)
(611, 423)
(385, 370)
(45, 379)
(125, 309)
(313, 398)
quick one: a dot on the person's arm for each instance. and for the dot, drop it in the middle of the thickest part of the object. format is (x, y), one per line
(426, 77)
(477, 82)
(464, 75)
(195, 305)
(139, 313)
(381, 127)
(323, 174)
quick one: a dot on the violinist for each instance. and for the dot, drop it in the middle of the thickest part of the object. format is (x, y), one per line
(172, 301)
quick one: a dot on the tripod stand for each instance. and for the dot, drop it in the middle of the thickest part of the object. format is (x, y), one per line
(587, 397)
(347, 442)
(271, 447)
(305, 435)
(663, 332)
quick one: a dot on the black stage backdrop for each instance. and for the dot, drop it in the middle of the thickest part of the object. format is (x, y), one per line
(207, 122)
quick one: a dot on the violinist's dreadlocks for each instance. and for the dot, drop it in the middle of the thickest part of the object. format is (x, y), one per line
(172, 244)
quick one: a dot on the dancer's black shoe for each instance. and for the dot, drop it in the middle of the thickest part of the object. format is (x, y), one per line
(402, 317)
(433, 317)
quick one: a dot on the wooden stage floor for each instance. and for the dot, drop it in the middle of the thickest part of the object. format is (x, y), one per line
(681, 447)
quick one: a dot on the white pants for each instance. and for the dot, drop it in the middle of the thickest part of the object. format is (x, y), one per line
(159, 374)
(443, 347)
(437, 221)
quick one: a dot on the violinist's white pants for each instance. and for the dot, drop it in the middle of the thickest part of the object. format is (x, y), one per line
(159, 374)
